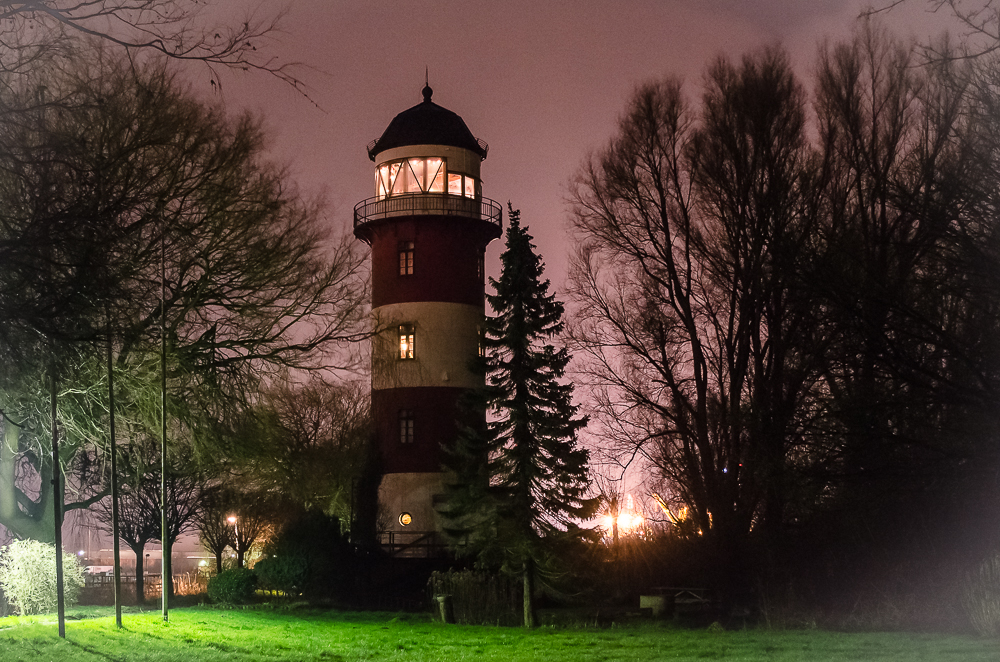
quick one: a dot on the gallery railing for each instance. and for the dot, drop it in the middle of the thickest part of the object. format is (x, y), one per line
(438, 204)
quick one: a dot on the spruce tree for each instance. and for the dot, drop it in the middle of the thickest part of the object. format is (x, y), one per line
(521, 478)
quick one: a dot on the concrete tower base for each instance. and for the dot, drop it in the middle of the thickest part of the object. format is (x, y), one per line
(413, 494)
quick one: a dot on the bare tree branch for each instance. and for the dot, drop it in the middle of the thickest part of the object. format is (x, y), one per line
(178, 29)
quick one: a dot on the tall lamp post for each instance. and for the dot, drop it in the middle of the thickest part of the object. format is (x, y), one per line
(165, 569)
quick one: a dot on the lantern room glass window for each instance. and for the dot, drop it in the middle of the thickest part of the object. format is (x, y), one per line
(423, 175)
(434, 176)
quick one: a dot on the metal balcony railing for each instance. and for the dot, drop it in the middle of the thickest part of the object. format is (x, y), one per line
(413, 544)
(441, 204)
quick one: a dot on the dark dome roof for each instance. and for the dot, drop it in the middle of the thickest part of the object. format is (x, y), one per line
(427, 124)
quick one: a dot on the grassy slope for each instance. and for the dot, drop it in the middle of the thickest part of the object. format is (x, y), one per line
(197, 634)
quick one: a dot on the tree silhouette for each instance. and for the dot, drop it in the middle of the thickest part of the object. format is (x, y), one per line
(696, 331)
(522, 480)
(33, 30)
(123, 186)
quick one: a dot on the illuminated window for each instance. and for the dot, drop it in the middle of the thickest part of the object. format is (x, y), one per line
(406, 426)
(419, 175)
(388, 179)
(414, 176)
(406, 258)
(481, 267)
(464, 185)
(434, 183)
(406, 338)
(398, 178)
(454, 184)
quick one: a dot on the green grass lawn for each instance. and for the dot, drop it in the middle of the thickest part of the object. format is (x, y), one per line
(202, 633)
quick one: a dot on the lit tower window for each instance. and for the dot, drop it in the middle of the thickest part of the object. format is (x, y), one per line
(406, 341)
(406, 258)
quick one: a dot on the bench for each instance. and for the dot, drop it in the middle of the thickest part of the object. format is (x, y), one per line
(675, 599)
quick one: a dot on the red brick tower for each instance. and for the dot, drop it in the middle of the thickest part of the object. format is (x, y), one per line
(428, 227)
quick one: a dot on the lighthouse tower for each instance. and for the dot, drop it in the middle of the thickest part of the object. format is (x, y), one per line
(428, 226)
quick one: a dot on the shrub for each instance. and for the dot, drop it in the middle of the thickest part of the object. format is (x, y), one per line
(285, 573)
(234, 586)
(313, 556)
(981, 597)
(28, 576)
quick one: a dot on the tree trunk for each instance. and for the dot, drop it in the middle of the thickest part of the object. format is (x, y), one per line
(169, 570)
(529, 593)
(140, 587)
(38, 524)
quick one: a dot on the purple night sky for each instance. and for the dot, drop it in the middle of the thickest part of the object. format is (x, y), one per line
(543, 82)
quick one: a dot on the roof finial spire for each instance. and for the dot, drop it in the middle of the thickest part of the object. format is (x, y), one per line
(427, 86)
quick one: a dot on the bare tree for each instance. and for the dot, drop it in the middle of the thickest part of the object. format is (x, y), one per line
(139, 502)
(145, 206)
(214, 529)
(138, 523)
(799, 336)
(977, 22)
(690, 226)
(908, 221)
(178, 29)
(253, 518)
(309, 445)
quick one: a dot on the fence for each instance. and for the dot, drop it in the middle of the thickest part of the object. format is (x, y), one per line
(413, 544)
(480, 598)
(99, 589)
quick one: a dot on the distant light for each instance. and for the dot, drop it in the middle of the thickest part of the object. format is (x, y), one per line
(231, 519)
(628, 519)
(80, 553)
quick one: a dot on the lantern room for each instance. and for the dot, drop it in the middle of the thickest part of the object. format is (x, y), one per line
(426, 151)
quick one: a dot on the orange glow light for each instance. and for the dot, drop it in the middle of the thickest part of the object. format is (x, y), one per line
(628, 519)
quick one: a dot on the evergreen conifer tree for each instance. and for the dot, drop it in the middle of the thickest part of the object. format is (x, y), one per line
(521, 478)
